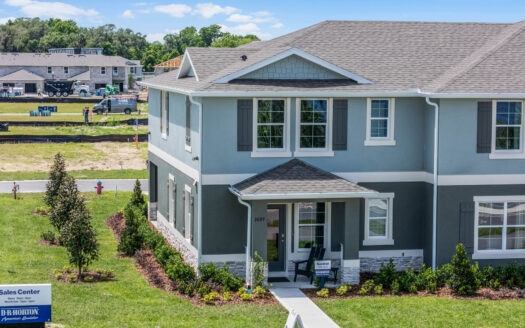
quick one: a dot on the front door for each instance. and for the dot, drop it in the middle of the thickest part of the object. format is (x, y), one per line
(276, 237)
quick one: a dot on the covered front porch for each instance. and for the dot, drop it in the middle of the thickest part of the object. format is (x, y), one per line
(295, 210)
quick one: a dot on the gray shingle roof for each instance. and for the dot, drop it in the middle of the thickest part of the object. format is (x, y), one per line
(396, 56)
(21, 75)
(60, 59)
(297, 177)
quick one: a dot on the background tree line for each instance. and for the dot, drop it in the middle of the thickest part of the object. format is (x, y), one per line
(36, 35)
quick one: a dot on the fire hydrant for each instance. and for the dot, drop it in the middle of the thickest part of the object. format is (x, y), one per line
(99, 187)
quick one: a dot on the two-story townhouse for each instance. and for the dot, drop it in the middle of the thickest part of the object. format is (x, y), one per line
(31, 70)
(328, 136)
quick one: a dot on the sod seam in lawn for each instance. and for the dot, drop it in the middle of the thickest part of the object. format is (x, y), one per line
(126, 302)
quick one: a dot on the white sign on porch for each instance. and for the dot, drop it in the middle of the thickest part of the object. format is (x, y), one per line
(322, 268)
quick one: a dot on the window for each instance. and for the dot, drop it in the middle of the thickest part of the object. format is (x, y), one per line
(311, 223)
(499, 226)
(270, 126)
(50, 70)
(313, 129)
(103, 71)
(66, 70)
(508, 126)
(133, 70)
(380, 122)
(378, 221)
(172, 194)
(115, 70)
(164, 113)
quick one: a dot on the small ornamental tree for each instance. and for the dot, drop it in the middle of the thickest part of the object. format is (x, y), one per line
(67, 200)
(137, 199)
(464, 280)
(132, 237)
(80, 239)
(56, 176)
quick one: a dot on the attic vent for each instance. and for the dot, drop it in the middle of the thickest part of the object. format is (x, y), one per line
(244, 57)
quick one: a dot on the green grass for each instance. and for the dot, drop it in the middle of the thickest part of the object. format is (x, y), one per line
(423, 312)
(79, 174)
(69, 118)
(16, 107)
(75, 130)
(126, 302)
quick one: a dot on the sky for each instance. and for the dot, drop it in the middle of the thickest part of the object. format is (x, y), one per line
(264, 18)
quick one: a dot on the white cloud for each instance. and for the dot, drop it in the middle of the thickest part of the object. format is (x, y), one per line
(152, 37)
(144, 11)
(239, 18)
(4, 20)
(128, 14)
(277, 25)
(208, 10)
(50, 9)
(174, 9)
(140, 4)
(243, 29)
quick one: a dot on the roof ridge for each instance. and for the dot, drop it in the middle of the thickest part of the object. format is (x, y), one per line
(476, 57)
(299, 33)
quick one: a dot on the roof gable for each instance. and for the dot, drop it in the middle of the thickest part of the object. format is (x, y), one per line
(312, 68)
(21, 75)
(187, 68)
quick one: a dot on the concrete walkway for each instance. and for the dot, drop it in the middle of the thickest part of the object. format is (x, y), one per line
(311, 315)
(86, 185)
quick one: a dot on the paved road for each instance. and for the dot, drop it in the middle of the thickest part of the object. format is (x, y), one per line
(83, 185)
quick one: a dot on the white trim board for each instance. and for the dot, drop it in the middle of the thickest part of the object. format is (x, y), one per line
(179, 165)
(186, 66)
(221, 258)
(297, 52)
(391, 253)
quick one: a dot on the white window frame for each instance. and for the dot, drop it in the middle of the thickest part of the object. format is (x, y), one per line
(314, 152)
(271, 152)
(502, 153)
(495, 254)
(164, 118)
(327, 221)
(381, 141)
(102, 71)
(171, 198)
(115, 71)
(187, 213)
(66, 70)
(380, 240)
(49, 70)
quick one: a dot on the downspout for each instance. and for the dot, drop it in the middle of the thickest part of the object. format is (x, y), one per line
(248, 232)
(199, 184)
(435, 180)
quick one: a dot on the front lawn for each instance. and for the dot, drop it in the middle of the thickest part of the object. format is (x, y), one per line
(412, 311)
(19, 107)
(92, 130)
(126, 302)
(80, 174)
(69, 118)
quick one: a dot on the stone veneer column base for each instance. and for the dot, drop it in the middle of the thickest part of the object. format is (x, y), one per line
(176, 240)
(152, 211)
(373, 264)
(349, 271)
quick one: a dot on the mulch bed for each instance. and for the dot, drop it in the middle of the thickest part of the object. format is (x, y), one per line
(39, 213)
(482, 294)
(153, 272)
(49, 243)
(96, 277)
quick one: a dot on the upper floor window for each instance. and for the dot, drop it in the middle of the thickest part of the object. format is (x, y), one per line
(378, 221)
(380, 122)
(103, 71)
(133, 70)
(50, 70)
(115, 70)
(164, 113)
(66, 70)
(270, 122)
(313, 127)
(508, 126)
(499, 226)
(311, 225)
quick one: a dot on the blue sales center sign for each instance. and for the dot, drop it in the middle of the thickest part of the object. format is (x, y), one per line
(21, 304)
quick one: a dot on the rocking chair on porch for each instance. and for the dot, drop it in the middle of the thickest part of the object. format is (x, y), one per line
(316, 253)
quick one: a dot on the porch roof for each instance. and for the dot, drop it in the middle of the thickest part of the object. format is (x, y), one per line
(296, 179)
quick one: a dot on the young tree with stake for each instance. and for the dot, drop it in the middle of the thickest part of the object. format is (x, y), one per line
(56, 177)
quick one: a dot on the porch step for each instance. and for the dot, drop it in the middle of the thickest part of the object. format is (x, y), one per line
(311, 315)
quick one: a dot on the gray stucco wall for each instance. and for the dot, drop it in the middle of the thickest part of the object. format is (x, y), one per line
(164, 169)
(220, 141)
(293, 67)
(174, 144)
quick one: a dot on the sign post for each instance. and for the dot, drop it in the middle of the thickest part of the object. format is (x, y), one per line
(25, 305)
(322, 270)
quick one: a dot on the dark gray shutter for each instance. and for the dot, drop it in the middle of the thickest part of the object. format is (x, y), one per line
(466, 225)
(338, 225)
(174, 204)
(484, 127)
(340, 124)
(188, 121)
(192, 212)
(244, 124)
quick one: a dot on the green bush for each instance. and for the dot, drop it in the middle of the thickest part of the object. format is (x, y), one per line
(227, 280)
(59, 275)
(247, 297)
(412, 289)
(190, 290)
(164, 254)
(259, 291)
(131, 240)
(394, 288)
(211, 297)
(366, 288)
(324, 293)
(341, 290)
(378, 289)
(72, 277)
(444, 275)
(241, 291)
(207, 271)
(203, 290)
(494, 284)
(227, 296)
(406, 279)
(464, 279)
(88, 278)
(427, 279)
(48, 236)
(258, 270)
(177, 270)
(387, 274)
(181, 287)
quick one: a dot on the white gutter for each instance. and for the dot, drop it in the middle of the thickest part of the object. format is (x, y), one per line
(435, 180)
(314, 195)
(248, 232)
(199, 185)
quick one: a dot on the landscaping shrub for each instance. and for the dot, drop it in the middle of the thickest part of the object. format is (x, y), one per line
(190, 290)
(444, 274)
(56, 177)
(72, 277)
(207, 271)
(394, 287)
(258, 276)
(177, 270)
(241, 291)
(181, 287)
(494, 284)
(323, 293)
(203, 290)
(211, 297)
(259, 291)
(247, 297)
(464, 280)
(88, 278)
(48, 236)
(406, 279)
(131, 239)
(427, 279)
(378, 289)
(366, 288)
(412, 289)
(387, 274)
(341, 290)
(137, 199)
(227, 280)
(164, 254)
(227, 296)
